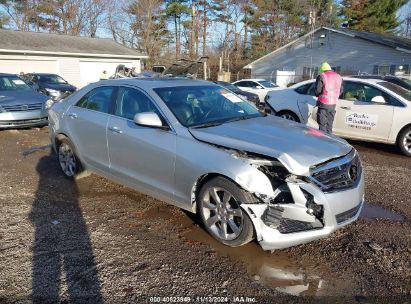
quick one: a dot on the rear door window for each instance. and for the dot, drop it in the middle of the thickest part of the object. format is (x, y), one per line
(303, 89)
(244, 84)
(253, 84)
(306, 89)
(98, 99)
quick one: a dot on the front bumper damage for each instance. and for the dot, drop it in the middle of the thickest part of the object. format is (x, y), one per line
(300, 211)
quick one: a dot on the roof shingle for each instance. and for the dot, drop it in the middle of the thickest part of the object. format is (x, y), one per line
(46, 42)
(386, 39)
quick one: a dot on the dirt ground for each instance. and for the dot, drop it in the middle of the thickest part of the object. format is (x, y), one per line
(93, 241)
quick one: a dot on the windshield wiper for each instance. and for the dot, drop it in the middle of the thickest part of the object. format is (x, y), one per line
(206, 125)
(215, 123)
(244, 117)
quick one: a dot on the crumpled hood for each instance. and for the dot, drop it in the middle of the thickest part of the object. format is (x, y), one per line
(59, 87)
(298, 147)
(11, 98)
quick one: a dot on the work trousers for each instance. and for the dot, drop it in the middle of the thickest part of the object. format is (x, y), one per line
(325, 118)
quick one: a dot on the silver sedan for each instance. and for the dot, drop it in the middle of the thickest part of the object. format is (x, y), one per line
(198, 146)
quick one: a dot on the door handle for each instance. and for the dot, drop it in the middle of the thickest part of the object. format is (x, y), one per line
(115, 130)
(346, 108)
(72, 115)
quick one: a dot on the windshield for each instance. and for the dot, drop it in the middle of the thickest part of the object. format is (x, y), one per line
(203, 106)
(13, 83)
(406, 80)
(51, 79)
(268, 84)
(397, 90)
(229, 86)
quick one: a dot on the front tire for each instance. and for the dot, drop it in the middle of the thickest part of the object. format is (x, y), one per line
(404, 141)
(219, 203)
(69, 162)
(288, 115)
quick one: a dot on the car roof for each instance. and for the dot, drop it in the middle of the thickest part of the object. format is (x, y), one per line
(152, 83)
(41, 74)
(363, 80)
(251, 79)
(7, 74)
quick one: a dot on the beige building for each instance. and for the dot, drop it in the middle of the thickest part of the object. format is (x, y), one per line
(79, 60)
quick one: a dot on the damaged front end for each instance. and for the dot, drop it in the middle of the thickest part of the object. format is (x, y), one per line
(298, 209)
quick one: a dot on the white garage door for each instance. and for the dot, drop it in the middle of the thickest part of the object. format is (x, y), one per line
(90, 71)
(15, 66)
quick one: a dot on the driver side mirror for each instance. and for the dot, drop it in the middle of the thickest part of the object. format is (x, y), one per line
(149, 119)
(378, 99)
(258, 87)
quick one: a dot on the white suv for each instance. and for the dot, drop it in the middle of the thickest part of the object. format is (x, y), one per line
(368, 109)
(257, 86)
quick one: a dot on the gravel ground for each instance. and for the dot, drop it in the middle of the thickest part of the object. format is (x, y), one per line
(93, 241)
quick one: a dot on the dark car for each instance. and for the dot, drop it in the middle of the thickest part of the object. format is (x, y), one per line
(401, 81)
(251, 97)
(52, 85)
(20, 104)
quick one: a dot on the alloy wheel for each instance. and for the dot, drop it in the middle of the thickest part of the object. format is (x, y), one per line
(222, 214)
(288, 116)
(67, 160)
(407, 141)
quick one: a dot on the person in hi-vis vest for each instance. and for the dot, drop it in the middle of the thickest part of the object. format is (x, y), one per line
(328, 88)
(104, 76)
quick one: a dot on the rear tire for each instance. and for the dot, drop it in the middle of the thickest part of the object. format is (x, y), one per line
(69, 162)
(219, 203)
(404, 141)
(288, 115)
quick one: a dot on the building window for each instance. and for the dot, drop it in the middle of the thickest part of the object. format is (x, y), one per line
(309, 73)
(382, 69)
(399, 70)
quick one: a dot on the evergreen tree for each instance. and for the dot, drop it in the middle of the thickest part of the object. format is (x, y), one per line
(372, 15)
(4, 20)
(176, 9)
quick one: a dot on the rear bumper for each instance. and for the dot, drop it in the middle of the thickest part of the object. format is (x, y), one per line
(340, 209)
(23, 119)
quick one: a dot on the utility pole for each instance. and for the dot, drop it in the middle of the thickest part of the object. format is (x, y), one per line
(205, 22)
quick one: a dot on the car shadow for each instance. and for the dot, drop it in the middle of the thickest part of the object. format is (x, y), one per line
(64, 267)
(385, 148)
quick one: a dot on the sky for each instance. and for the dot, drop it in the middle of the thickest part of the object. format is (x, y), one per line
(402, 13)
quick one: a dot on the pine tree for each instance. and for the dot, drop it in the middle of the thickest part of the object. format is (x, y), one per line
(4, 20)
(176, 9)
(372, 15)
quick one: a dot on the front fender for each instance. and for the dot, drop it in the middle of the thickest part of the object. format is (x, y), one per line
(192, 165)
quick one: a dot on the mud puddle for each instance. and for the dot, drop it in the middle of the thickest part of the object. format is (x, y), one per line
(371, 212)
(275, 270)
(32, 150)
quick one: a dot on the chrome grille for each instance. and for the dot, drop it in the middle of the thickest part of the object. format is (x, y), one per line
(23, 107)
(339, 174)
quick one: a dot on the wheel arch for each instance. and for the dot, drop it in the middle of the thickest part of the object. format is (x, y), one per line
(289, 112)
(400, 131)
(202, 180)
(57, 139)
